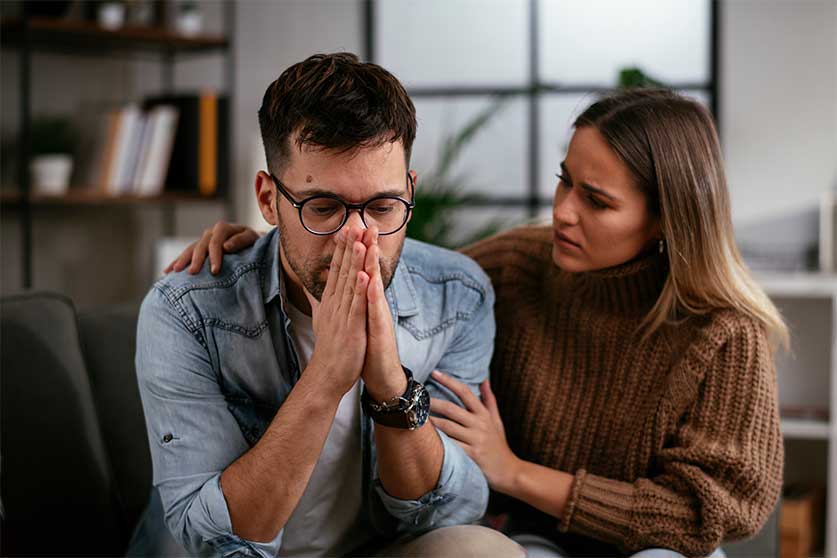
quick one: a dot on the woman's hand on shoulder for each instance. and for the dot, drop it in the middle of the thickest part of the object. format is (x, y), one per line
(221, 238)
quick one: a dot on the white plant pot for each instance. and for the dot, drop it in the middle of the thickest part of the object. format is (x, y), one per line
(112, 15)
(189, 24)
(51, 174)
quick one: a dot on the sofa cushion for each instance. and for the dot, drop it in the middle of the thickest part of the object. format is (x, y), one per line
(108, 340)
(56, 478)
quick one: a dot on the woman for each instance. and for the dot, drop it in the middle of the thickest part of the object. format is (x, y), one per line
(636, 397)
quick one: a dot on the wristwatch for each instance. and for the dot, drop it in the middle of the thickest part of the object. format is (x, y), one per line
(408, 411)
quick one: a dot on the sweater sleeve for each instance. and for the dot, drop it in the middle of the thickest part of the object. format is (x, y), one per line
(719, 474)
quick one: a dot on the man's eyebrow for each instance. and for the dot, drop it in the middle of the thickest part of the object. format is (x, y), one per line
(400, 192)
(589, 187)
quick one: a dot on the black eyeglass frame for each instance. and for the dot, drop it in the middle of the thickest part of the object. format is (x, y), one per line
(359, 207)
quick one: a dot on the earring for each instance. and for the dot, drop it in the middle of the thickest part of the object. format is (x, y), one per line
(662, 245)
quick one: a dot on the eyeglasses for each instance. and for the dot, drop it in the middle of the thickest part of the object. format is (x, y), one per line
(325, 214)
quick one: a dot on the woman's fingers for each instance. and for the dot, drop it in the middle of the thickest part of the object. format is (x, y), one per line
(461, 391)
(200, 251)
(240, 240)
(452, 411)
(181, 261)
(491, 404)
(453, 429)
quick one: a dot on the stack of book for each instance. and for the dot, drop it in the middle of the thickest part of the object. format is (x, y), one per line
(172, 143)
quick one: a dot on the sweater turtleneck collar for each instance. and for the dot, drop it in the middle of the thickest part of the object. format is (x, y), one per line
(632, 287)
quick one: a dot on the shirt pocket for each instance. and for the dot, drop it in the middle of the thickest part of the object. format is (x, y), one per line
(252, 418)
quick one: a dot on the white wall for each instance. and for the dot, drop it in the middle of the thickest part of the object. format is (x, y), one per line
(779, 108)
(270, 36)
(100, 255)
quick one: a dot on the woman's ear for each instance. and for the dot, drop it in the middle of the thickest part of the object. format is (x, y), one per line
(266, 197)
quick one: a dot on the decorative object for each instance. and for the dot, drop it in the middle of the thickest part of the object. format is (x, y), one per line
(111, 15)
(54, 139)
(828, 232)
(189, 20)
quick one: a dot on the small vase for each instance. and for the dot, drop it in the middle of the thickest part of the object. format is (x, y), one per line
(51, 174)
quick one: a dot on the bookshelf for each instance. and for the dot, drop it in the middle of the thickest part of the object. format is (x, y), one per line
(807, 377)
(28, 35)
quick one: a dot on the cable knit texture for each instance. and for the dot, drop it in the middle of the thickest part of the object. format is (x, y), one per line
(674, 442)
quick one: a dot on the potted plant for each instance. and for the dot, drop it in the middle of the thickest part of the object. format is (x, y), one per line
(53, 141)
(440, 195)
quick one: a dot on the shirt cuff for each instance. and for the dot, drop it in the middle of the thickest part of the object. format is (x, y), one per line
(213, 523)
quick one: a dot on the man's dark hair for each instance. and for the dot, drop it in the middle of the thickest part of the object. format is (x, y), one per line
(334, 101)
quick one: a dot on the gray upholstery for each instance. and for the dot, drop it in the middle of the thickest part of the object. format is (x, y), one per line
(57, 487)
(108, 337)
(75, 468)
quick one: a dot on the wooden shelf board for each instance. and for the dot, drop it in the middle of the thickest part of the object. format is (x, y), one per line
(805, 429)
(50, 34)
(82, 197)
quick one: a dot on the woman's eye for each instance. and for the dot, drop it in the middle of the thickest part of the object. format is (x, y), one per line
(563, 181)
(594, 201)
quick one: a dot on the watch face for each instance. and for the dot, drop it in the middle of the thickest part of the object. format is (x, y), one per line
(422, 409)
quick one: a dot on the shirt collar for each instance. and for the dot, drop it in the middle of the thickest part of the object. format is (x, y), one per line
(271, 287)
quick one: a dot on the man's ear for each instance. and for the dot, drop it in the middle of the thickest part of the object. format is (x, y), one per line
(414, 176)
(266, 197)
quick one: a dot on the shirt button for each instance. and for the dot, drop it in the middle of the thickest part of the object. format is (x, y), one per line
(167, 438)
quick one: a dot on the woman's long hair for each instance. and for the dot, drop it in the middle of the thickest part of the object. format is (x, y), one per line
(671, 146)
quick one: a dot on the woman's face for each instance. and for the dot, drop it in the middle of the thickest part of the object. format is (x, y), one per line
(600, 218)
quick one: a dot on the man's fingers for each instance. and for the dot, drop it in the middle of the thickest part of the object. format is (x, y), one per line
(452, 411)
(315, 304)
(199, 252)
(336, 263)
(357, 312)
(358, 253)
(461, 391)
(452, 429)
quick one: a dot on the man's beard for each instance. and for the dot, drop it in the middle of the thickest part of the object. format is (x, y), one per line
(310, 270)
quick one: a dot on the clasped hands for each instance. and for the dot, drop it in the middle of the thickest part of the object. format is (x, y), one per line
(355, 337)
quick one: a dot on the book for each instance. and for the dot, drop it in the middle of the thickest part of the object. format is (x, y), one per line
(200, 151)
(155, 156)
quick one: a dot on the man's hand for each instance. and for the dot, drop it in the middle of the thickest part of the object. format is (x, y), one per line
(339, 319)
(382, 371)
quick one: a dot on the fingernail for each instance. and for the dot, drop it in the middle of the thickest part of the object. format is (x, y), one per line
(436, 374)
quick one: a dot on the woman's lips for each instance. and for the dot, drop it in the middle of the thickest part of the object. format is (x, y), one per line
(564, 240)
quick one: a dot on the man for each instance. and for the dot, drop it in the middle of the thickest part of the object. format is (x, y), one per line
(286, 398)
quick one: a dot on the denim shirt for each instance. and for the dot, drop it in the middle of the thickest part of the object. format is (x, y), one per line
(215, 362)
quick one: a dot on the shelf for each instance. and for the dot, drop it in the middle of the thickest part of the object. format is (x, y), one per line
(89, 198)
(810, 284)
(88, 38)
(802, 429)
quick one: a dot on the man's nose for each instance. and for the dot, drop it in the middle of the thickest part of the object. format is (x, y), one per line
(354, 220)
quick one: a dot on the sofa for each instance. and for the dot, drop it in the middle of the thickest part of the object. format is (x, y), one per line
(75, 469)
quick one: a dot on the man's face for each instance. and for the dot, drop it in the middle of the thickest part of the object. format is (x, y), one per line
(354, 177)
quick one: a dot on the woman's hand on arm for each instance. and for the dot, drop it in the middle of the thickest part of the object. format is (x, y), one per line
(479, 430)
(223, 237)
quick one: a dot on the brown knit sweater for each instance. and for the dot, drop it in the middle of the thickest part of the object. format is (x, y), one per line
(673, 442)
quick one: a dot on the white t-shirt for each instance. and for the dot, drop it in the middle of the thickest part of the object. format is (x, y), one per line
(326, 520)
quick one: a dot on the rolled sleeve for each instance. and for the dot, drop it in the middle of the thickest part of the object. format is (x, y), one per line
(460, 497)
(192, 435)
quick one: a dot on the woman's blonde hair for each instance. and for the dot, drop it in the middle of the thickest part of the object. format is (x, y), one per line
(670, 144)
